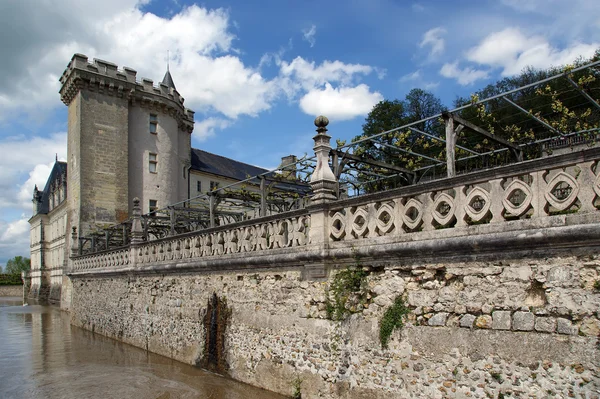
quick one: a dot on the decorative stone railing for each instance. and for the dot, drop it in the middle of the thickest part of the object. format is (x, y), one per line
(564, 187)
(282, 233)
(108, 259)
(287, 231)
(543, 203)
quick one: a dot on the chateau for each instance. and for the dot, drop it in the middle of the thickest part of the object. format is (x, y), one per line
(127, 138)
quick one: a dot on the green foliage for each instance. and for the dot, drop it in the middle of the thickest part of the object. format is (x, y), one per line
(388, 115)
(557, 103)
(347, 290)
(10, 279)
(297, 388)
(392, 319)
(597, 285)
(497, 376)
(17, 265)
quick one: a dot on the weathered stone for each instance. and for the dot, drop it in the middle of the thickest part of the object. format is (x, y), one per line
(545, 324)
(484, 321)
(487, 308)
(501, 320)
(523, 321)
(564, 326)
(438, 319)
(460, 309)
(590, 327)
(467, 321)
(560, 275)
(522, 273)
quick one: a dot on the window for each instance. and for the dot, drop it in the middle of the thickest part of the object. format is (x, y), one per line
(214, 185)
(153, 123)
(152, 205)
(152, 162)
(199, 186)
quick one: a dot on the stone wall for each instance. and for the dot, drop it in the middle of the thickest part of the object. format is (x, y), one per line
(475, 328)
(11, 290)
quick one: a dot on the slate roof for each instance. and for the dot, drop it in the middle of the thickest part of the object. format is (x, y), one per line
(203, 161)
(168, 80)
(59, 168)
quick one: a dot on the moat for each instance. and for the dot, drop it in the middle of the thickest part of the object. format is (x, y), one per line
(43, 356)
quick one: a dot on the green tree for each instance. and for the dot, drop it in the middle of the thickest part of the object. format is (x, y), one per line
(556, 104)
(17, 265)
(388, 115)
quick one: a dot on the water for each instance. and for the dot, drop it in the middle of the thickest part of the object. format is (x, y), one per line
(43, 356)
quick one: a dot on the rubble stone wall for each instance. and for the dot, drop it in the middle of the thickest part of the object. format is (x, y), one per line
(476, 328)
(11, 290)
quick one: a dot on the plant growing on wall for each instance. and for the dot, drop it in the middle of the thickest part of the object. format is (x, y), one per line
(347, 293)
(392, 319)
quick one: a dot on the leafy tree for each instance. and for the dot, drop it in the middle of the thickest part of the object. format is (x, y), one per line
(388, 115)
(17, 264)
(557, 103)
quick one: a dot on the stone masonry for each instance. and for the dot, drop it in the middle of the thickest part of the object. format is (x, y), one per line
(525, 328)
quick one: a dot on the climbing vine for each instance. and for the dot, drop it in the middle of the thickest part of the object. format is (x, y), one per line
(347, 293)
(392, 319)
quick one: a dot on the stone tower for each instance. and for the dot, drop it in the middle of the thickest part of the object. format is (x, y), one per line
(126, 139)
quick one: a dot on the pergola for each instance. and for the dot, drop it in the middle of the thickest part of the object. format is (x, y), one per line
(479, 132)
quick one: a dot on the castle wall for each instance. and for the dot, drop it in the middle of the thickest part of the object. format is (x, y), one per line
(475, 328)
(103, 164)
(167, 185)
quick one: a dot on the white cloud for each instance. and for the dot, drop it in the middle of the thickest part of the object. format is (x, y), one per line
(464, 76)
(205, 66)
(410, 77)
(14, 239)
(199, 40)
(207, 127)
(339, 104)
(27, 159)
(309, 35)
(417, 7)
(433, 38)
(308, 75)
(512, 50)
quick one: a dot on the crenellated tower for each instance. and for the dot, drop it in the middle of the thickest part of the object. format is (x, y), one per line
(126, 139)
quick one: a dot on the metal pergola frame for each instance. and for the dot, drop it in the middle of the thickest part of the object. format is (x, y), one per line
(454, 124)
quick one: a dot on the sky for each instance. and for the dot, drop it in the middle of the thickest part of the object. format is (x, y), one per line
(257, 73)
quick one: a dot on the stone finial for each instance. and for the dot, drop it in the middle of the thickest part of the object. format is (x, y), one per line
(321, 123)
(74, 242)
(322, 181)
(137, 230)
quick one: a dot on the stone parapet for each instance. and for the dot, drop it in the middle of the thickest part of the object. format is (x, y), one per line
(550, 205)
(105, 77)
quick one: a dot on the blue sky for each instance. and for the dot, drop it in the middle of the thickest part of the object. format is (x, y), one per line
(257, 73)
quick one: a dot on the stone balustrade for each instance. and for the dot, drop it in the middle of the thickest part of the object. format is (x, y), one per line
(522, 197)
(559, 187)
(289, 231)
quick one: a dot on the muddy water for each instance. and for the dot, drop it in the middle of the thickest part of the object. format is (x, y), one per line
(43, 356)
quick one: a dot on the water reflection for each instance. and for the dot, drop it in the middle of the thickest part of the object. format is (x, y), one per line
(43, 356)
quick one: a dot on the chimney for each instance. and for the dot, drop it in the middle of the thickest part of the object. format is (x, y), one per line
(289, 162)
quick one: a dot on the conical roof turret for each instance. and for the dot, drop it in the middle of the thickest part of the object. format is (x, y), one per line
(168, 80)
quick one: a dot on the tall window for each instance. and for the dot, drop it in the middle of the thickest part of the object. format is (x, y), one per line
(152, 162)
(214, 185)
(153, 123)
(152, 205)
(199, 186)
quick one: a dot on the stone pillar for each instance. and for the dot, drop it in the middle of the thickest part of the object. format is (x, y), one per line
(323, 184)
(74, 242)
(137, 232)
(322, 181)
